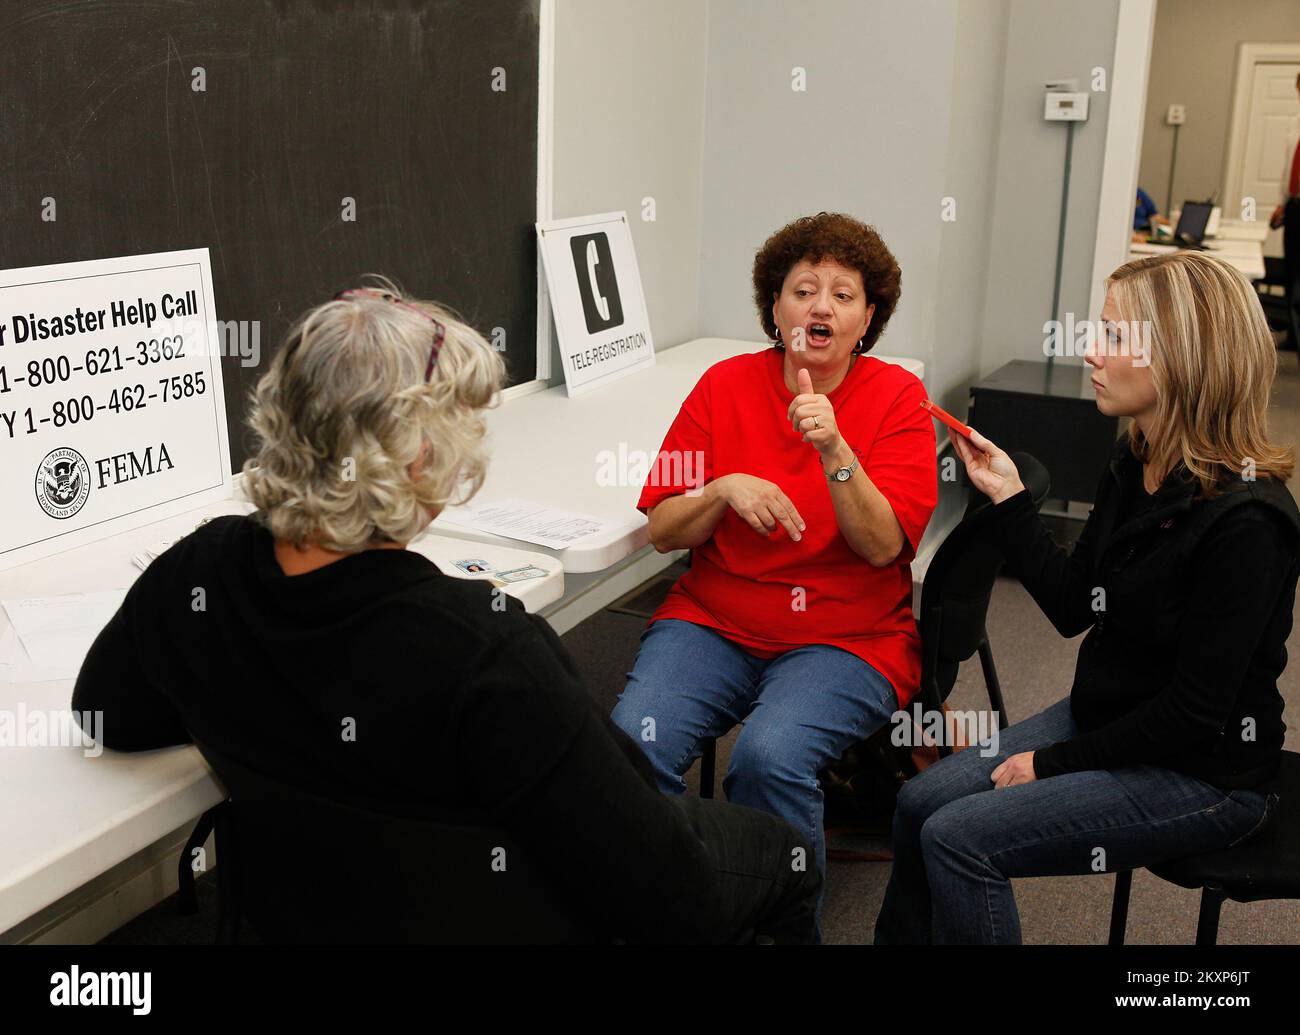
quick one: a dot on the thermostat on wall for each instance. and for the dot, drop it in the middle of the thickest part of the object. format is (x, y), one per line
(1066, 107)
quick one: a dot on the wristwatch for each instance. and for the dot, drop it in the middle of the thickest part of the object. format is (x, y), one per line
(844, 473)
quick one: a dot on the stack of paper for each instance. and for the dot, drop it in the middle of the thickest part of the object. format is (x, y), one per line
(529, 522)
(48, 637)
(152, 553)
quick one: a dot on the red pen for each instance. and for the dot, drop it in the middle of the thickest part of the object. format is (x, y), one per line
(946, 417)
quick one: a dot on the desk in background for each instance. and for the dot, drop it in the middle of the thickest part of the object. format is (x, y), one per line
(1237, 230)
(1243, 254)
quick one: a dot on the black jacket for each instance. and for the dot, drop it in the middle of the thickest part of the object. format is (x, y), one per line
(1189, 604)
(454, 703)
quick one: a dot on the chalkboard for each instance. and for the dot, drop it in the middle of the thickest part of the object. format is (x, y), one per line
(243, 125)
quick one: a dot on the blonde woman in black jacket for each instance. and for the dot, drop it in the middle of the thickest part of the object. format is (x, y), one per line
(1184, 576)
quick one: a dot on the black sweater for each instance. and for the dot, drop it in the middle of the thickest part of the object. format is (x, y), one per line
(1188, 605)
(457, 704)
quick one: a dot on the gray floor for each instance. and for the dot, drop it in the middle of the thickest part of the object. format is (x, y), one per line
(1036, 666)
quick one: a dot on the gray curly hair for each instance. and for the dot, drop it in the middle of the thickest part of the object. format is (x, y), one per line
(344, 411)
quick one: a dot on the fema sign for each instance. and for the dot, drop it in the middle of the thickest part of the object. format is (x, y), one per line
(112, 411)
(595, 292)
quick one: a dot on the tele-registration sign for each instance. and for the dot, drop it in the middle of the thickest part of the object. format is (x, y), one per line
(112, 413)
(595, 291)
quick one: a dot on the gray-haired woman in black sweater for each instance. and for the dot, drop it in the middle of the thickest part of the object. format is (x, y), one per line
(318, 622)
(1184, 576)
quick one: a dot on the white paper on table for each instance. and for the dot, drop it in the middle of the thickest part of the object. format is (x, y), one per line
(17, 667)
(56, 632)
(529, 522)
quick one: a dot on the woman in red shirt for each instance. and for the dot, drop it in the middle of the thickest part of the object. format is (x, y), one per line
(802, 478)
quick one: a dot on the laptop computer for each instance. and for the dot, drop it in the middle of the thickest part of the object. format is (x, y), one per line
(1193, 222)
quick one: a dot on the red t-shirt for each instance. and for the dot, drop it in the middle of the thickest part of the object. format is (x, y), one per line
(746, 586)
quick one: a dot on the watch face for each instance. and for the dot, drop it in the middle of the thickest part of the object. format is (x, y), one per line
(843, 474)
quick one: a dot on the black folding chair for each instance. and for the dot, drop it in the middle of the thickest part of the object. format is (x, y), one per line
(1267, 866)
(1274, 304)
(306, 870)
(954, 604)
(955, 600)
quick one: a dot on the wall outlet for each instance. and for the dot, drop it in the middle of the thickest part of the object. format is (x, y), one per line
(1176, 115)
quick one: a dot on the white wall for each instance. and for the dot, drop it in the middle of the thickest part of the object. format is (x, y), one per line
(868, 137)
(974, 131)
(689, 101)
(629, 124)
(979, 52)
(1046, 39)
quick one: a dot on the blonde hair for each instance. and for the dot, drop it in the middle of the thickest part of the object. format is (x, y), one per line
(344, 410)
(1213, 361)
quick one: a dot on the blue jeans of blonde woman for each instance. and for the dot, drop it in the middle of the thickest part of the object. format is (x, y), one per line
(800, 711)
(958, 841)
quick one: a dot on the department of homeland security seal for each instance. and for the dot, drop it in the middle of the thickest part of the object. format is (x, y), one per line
(62, 483)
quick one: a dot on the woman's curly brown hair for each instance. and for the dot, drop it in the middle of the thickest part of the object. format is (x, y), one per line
(829, 235)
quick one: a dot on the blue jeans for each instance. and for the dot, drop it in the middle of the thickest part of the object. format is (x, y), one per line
(958, 841)
(801, 710)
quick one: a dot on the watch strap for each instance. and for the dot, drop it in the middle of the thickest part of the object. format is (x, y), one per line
(851, 468)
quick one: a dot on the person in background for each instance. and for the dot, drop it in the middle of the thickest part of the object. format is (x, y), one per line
(814, 477)
(1287, 216)
(1146, 216)
(314, 612)
(1184, 578)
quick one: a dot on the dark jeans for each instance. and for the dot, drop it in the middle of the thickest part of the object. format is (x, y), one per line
(768, 884)
(958, 841)
(1291, 265)
(800, 711)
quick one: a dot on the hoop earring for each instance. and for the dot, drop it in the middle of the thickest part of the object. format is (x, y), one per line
(778, 343)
